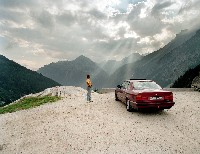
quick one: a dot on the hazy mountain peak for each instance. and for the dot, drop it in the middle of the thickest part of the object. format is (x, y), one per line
(73, 73)
(111, 61)
(82, 58)
(132, 58)
(185, 34)
(111, 66)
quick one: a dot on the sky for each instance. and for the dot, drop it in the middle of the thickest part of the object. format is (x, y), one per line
(34, 33)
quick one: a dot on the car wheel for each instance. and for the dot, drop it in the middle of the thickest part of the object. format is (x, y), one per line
(116, 98)
(128, 106)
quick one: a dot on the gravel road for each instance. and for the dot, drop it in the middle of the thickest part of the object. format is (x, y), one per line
(104, 126)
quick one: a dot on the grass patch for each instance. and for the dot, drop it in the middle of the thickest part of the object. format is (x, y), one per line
(27, 103)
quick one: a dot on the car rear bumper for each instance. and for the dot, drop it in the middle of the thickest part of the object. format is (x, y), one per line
(160, 105)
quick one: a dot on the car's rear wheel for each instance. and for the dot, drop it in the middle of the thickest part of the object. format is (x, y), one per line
(128, 106)
(116, 98)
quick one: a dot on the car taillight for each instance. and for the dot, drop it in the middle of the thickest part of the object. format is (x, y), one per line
(141, 98)
(169, 97)
(138, 97)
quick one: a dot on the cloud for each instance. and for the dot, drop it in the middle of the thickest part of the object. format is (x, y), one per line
(66, 18)
(159, 7)
(43, 18)
(97, 14)
(49, 30)
(18, 4)
(185, 6)
(17, 17)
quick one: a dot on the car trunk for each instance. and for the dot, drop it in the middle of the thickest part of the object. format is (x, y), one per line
(154, 96)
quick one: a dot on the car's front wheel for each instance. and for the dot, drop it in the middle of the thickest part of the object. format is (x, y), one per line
(128, 106)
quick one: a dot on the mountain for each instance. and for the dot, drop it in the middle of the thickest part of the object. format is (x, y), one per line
(17, 81)
(188, 78)
(166, 64)
(131, 58)
(111, 66)
(73, 73)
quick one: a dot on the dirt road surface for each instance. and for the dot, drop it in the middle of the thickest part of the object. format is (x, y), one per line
(104, 126)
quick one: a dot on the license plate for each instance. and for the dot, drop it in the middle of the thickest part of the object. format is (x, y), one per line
(156, 98)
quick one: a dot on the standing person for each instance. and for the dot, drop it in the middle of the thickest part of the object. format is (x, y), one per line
(89, 88)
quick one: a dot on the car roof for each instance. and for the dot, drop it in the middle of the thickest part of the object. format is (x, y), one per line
(131, 80)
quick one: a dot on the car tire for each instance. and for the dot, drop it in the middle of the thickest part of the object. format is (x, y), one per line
(128, 106)
(116, 98)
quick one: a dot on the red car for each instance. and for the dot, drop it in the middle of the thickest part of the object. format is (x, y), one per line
(143, 94)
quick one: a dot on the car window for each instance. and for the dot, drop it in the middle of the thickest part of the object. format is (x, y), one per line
(140, 85)
(126, 85)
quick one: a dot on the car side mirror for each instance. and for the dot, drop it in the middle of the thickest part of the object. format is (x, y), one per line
(119, 86)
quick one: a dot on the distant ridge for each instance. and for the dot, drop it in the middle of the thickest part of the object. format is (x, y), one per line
(73, 73)
(111, 66)
(165, 65)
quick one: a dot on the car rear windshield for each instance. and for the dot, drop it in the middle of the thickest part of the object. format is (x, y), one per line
(140, 85)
